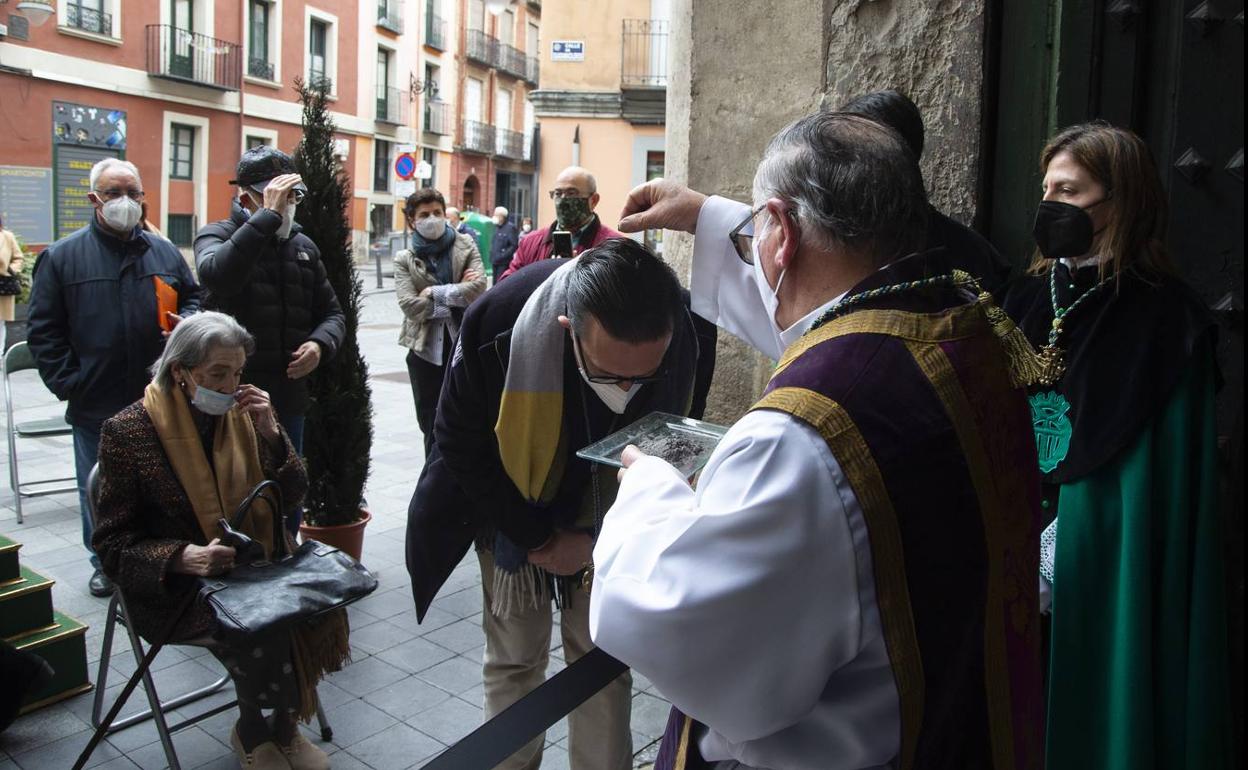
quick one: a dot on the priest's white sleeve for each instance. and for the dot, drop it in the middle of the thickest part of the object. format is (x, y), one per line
(722, 287)
(711, 594)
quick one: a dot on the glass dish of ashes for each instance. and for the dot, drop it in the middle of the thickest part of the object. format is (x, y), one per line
(683, 442)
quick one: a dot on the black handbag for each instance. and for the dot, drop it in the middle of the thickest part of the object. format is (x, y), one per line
(262, 596)
(10, 285)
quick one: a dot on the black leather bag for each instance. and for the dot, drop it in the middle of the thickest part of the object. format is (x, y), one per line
(10, 285)
(259, 597)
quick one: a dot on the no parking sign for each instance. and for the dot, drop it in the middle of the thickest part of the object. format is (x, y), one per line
(405, 166)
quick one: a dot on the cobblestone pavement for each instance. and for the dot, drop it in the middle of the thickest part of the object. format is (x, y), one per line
(411, 689)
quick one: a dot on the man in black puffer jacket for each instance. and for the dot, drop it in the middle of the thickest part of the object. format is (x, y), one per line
(258, 267)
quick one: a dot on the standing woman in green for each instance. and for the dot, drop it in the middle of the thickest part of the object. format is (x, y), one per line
(1124, 421)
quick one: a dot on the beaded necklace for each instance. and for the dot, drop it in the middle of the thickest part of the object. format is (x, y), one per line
(1050, 411)
(840, 308)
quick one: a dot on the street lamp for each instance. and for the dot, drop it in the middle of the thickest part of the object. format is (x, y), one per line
(37, 12)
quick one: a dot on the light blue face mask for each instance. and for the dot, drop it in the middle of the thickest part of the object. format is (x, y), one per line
(212, 402)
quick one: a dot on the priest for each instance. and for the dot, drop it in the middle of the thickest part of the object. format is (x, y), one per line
(851, 582)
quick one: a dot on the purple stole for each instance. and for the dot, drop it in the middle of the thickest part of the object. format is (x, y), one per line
(918, 409)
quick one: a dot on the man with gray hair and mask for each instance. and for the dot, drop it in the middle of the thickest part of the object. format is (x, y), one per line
(851, 583)
(258, 267)
(103, 298)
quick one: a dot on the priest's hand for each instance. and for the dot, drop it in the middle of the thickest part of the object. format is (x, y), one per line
(204, 560)
(566, 553)
(661, 204)
(630, 455)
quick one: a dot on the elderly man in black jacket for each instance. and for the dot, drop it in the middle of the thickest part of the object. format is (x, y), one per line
(99, 308)
(258, 267)
(561, 355)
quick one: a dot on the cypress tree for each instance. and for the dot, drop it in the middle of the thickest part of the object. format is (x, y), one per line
(338, 434)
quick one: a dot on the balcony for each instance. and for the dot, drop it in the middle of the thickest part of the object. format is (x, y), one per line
(532, 65)
(437, 117)
(390, 106)
(478, 137)
(260, 68)
(643, 54)
(176, 54)
(511, 60)
(482, 48)
(319, 81)
(88, 20)
(509, 144)
(390, 15)
(435, 32)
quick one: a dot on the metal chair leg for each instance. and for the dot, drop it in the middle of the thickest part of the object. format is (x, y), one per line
(153, 700)
(106, 655)
(327, 732)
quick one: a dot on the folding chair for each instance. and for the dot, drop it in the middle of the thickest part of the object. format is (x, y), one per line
(18, 358)
(119, 613)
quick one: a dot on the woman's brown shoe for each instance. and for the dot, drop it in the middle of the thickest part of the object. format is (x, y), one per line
(266, 756)
(302, 755)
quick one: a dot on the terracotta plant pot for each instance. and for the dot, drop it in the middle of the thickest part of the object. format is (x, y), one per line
(348, 538)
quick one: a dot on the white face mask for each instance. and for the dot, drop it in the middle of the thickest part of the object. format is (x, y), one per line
(122, 213)
(609, 394)
(288, 221)
(770, 296)
(431, 228)
(525, 228)
(615, 399)
(210, 401)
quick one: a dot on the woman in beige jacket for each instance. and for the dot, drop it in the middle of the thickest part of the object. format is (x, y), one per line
(434, 281)
(10, 264)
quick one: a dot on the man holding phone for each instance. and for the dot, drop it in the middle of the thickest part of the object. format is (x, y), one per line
(576, 227)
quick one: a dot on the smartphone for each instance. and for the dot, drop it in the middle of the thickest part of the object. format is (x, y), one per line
(562, 241)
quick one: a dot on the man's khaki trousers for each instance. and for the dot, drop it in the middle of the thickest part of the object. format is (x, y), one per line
(517, 649)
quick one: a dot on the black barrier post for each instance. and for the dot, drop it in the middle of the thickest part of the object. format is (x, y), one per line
(525, 719)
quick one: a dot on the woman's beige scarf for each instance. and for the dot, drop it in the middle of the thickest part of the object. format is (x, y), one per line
(320, 645)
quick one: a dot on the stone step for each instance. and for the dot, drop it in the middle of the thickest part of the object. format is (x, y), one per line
(25, 604)
(63, 644)
(9, 570)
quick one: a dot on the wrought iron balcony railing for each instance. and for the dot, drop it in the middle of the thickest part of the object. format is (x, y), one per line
(509, 144)
(482, 48)
(260, 68)
(177, 54)
(390, 15)
(390, 106)
(511, 60)
(88, 19)
(319, 81)
(643, 53)
(435, 32)
(478, 137)
(437, 117)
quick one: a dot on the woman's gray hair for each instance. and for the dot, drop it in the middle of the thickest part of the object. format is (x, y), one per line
(192, 340)
(852, 183)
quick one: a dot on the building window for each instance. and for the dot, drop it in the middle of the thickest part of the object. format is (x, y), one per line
(182, 229)
(258, 63)
(387, 102)
(656, 163)
(183, 14)
(257, 141)
(381, 166)
(429, 156)
(181, 151)
(318, 54)
(89, 16)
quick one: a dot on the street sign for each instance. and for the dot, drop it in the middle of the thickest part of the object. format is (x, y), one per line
(404, 188)
(404, 166)
(424, 170)
(567, 50)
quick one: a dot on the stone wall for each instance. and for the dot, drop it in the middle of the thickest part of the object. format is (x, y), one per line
(741, 70)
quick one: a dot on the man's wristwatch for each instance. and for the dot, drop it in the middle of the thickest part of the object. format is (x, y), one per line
(587, 576)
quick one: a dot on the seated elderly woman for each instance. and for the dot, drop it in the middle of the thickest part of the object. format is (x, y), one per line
(171, 466)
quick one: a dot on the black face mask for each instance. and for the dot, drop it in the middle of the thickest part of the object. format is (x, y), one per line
(1063, 231)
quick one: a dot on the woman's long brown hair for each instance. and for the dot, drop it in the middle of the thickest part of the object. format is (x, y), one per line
(1134, 236)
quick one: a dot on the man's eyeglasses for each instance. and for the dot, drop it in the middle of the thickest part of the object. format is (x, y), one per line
(115, 193)
(615, 379)
(742, 237)
(571, 192)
